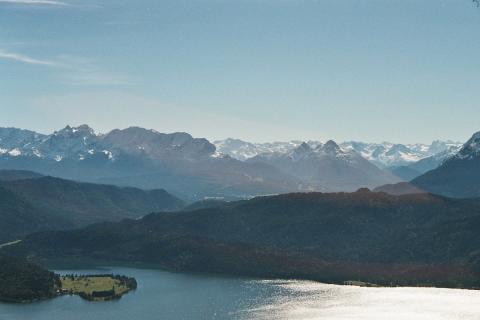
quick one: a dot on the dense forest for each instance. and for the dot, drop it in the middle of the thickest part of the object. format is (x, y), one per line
(373, 237)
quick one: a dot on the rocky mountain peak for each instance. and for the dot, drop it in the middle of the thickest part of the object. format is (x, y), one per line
(330, 147)
(69, 131)
(471, 148)
(303, 148)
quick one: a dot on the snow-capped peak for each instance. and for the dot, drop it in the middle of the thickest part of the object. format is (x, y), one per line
(383, 154)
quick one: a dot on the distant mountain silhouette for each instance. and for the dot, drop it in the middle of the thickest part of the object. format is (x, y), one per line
(47, 203)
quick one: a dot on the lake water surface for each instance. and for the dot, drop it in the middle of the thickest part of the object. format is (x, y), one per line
(164, 295)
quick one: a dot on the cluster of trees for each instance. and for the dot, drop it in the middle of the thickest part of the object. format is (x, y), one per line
(100, 295)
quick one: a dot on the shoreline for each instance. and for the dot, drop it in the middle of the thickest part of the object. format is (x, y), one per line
(68, 264)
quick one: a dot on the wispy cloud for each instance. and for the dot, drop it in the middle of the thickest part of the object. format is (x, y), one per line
(71, 70)
(25, 59)
(36, 2)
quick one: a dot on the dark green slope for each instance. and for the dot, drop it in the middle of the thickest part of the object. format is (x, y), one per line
(375, 237)
(21, 281)
(51, 204)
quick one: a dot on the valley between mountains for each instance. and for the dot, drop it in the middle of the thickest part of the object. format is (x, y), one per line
(322, 211)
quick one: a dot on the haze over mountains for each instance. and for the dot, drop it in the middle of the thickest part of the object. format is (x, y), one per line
(194, 168)
(31, 203)
(458, 176)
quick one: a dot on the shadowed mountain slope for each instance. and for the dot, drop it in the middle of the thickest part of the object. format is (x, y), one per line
(49, 203)
(459, 176)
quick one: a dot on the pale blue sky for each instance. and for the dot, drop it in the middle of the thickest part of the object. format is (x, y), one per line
(372, 70)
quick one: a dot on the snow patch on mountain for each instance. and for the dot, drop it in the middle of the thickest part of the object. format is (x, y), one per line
(15, 152)
(68, 143)
(384, 154)
(243, 150)
(387, 154)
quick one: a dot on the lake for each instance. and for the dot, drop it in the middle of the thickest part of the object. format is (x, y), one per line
(164, 295)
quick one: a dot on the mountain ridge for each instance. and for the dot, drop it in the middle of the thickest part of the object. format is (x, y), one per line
(385, 154)
(418, 239)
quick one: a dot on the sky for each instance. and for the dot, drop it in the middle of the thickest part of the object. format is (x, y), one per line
(261, 70)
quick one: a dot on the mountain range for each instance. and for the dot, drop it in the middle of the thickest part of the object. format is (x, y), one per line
(194, 168)
(384, 155)
(185, 166)
(405, 161)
